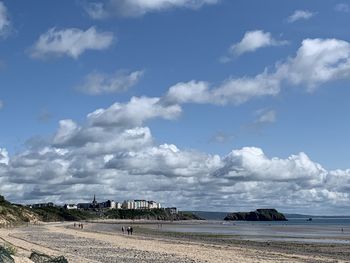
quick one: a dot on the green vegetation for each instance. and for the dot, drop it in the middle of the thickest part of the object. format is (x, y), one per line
(18, 214)
(42, 258)
(12, 250)
(14, 214)
(49, 214)
(154, 214)
(258, 215)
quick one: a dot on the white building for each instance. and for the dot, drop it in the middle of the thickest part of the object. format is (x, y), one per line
(141, 204)
(70, 206)
(153, 205)
(128, 204)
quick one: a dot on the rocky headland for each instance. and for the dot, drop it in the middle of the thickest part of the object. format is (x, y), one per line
(257, 215)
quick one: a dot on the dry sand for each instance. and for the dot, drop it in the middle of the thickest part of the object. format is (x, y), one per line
(85, 246)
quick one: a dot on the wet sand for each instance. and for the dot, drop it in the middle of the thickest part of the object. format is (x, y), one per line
(153, 246)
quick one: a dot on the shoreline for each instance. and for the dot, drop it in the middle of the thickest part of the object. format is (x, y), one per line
(155, 246)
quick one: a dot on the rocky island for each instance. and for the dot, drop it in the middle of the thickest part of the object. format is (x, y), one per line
(257, 215)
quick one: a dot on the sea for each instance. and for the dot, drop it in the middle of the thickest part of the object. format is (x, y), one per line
(319, 230)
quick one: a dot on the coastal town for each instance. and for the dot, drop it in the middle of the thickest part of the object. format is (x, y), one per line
(109, 204)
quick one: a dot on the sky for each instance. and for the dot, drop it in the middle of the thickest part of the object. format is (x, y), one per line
(210, 105)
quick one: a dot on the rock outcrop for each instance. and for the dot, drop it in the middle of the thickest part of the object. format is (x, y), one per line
(258, 215)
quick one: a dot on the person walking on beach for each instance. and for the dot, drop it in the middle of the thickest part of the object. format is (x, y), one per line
(128, 229)
(131, 229)
(123, 230)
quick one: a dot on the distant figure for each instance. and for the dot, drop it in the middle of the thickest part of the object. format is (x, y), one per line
(123, 230)
(75, 224)
(342, 230)
(128, 230)
(82, 226)
(131, 229)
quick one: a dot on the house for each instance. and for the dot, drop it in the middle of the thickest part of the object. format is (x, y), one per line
(128, 204)
(84, 206)
(70, 206)
(42, 205)
(171, 210)
(153, 205)
(141, 204)
(109, 204)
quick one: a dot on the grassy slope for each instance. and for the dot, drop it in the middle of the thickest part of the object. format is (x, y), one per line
(17, 214)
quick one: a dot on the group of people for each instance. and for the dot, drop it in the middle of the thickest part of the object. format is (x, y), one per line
(79, 225)
(129, 230)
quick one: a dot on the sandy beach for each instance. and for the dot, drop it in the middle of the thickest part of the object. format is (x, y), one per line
(89, 246)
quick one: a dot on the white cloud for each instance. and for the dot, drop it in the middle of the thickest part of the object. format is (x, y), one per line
(68, 129)
(266, 116)
(341, 7)
(96, 10)
(97, 83)
(134, 113)
(71, 42)
(318, 61)
(221, 137)
(4, 157)
(254, 40)
(300, 15)
(124, 161)
(166, 160)
(5, 23)
(232, 90)
(134, 8)
(250, 163)
(189, 92)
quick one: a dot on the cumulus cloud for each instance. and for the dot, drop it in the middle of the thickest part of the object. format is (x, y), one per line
(317, 62)
(134, 113)
(166, 160)
(232, 90)
(4, 157)
(341, 7)
(253, 40)
(5, 23)
(251, 164)
(71, 42)
(124, 161)
(134, 8)
(300, 15)
(97, 83)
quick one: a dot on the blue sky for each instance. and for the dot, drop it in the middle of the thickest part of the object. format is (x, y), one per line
(262, 79)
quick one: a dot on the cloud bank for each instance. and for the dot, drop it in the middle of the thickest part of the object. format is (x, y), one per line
(114, 152)
(120, 159)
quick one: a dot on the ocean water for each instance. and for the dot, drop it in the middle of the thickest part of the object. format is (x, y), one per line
(322, 230)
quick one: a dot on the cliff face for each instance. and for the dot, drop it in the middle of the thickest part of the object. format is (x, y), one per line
(258, 215)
